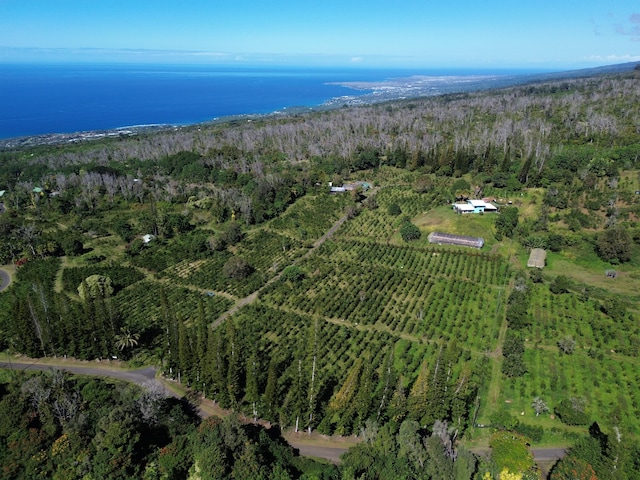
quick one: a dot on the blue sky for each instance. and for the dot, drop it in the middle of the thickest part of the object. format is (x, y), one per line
(554, 34)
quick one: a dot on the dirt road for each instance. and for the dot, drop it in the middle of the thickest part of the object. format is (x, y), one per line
(253, 296)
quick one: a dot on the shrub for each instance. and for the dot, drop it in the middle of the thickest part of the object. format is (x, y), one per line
(409, 232)
(560, 285)
(614, 245)
(237, 268)
(95, 286)
(394, 209)
(572, 411)
(533, 432)
(293, 273)
(567, 345)
(507, 221)
(233, 234)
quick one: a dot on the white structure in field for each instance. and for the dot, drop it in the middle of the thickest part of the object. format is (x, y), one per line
(474, 206)
(442, 238)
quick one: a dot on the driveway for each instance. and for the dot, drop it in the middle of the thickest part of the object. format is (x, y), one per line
(5, 280)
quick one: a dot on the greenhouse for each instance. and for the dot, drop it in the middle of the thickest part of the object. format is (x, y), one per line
(451, 239)
(537, 258)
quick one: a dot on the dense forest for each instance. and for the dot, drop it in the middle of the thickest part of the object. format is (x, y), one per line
(218, 254)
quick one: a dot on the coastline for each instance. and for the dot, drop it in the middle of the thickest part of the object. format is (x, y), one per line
(393, 89)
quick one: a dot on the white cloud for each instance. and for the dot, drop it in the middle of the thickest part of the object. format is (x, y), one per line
(613, 59)
(632, 30)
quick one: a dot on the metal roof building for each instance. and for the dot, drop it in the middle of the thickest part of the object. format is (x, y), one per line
(450, 239)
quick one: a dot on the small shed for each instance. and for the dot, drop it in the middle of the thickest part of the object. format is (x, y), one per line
(441, 238)
(537, 258)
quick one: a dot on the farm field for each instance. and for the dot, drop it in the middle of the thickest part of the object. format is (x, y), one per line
(355, 262)
(225, 257)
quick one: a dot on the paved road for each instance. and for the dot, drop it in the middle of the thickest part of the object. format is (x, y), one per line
(548, 454)
(141, 376)
(328, 453)
(147, 375)
(5, 280)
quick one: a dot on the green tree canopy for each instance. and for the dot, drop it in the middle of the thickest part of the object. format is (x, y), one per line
(507, 221)
(237, 268)
(409, 232)
(95, 286)
(614, 245)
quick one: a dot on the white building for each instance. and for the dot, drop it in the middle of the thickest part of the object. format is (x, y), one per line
(475, 206)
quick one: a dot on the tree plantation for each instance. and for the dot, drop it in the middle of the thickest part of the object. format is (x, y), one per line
(218, 255)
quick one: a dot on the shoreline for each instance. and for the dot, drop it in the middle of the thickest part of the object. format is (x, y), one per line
(392, 89)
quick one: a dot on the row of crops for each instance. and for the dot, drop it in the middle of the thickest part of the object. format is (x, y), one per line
(143, 306)
(267, 250)
(310, 217)
(428, 294)
(378, 223)
(558, 316)
(285, 335)
(608, 385)
(469, 265)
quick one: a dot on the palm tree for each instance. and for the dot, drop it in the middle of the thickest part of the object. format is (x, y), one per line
(126, 339)
(539, 406)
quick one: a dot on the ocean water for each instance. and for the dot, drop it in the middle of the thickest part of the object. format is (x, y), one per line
(43, 99)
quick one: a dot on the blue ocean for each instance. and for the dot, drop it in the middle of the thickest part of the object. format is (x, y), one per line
(64, 98)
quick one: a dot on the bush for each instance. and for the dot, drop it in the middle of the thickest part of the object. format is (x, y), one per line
(533, 432)
(95, 286)
(572, 411)
(409, 232)
(507, 221)
(293, 273)
(233, 234)
(394, 209)
(614, 245)
(560, 285)
(237, 268)
(567, 345)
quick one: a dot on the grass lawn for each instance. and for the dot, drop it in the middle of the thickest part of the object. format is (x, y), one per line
(584, 266)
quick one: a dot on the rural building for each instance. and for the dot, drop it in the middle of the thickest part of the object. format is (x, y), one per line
(537, 257)
(147, 238)
(451, 239)
(348, 187)
(474, 206)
